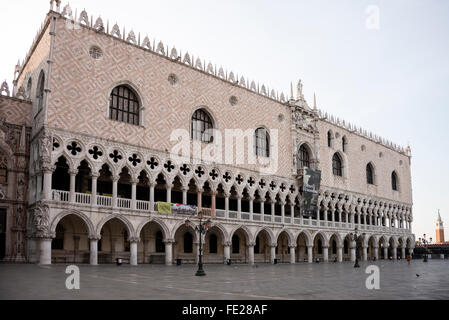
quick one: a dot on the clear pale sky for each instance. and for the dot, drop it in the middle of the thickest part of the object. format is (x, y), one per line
(393, 81)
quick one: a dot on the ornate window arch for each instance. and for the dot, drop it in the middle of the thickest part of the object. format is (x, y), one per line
(394, 181)
(369, 173)
(329, 139)
(124, 105)
(262, 142)
(202, 126)
(344, 143)
(337, 165)
(29, 87)
(40, 91)
(303, 157)
(3, 168)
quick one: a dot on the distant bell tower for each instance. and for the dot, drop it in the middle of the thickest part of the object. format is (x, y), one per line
(439, 230)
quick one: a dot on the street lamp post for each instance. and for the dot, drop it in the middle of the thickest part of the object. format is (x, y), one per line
(201, 229)
(356, 237)
(425, 242)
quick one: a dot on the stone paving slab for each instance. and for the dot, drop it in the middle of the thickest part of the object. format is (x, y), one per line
(337, 281)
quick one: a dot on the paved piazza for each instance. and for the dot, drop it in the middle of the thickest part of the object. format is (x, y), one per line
(301, 281)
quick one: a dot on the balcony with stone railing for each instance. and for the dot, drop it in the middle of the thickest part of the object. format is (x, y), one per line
(86, 200)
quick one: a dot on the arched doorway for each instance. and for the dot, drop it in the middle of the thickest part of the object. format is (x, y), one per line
(282, 250)
(213, 250)
(301, 248)
(114, 242)
(262, 249)
(186, 245)
(239, 248)
(151, 248)
(71, 242)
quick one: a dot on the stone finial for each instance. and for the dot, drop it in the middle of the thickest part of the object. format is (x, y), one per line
(146, 43)
(99, 24)
(83, 18)
(314, 101)
(253, 86)
(131, 37)
(221, 73)
(187, 59)
(4, 88)
(21, 94)
(174, 54)
(242, 82)
(282, 98)
(299, 93)
(160, 48)
(231, 77)
(116, 31)
(67, 11)
(198, 64)
(210, 68)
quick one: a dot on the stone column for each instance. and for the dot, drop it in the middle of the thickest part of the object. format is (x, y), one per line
(45, 250)
(376, 253)
(251, 253)
(184, 195)
(72, 185)
(292, 254)
(272, 210)
(213, 203)
(226, 205)
(169, 186)
(133, 193)
(340, 254)
(226, 251)
(47, 183)
(38, 186)
(365, 253)
(251, 205)
(292, 212)
(93, 251)
(353, 251)
(133, 250)
(325, 212)
(325, 254)
(152, 185)
(309, 254)
(272, 253)
(93, 196)
(168, 251)
(262, 208)
(282, 211)
(199, 199)
(239, 206)
(394, 252)
(115, 180)
(403, 253)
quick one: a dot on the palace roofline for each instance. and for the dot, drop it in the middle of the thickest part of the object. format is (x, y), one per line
(198, 65)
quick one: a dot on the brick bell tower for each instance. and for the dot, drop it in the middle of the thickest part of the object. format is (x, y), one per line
(439, 229)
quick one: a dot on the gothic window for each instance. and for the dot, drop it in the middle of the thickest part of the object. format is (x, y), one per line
(212, 243)
(202, 126)
(40, 91)
(344, 142)
(29, 86)
(235, 244)
(160, 247)
(3, 169)
(369, 174)
(329, 139)
(262, 142)
(58, 241)
(124, 105)
(337, 165)
(394, 181)
(304, 159)
(188, 242)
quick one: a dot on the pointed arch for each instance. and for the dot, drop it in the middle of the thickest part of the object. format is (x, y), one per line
(246, 232)
(307, 236)
(290, 236)
(79, 214)
(126, 222)
(164, 228)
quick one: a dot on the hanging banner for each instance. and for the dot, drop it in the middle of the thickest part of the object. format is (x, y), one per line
(164, 207)
(184, 209)
(309, 197)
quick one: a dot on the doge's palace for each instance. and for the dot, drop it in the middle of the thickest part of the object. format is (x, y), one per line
(128, 137)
